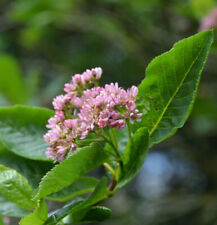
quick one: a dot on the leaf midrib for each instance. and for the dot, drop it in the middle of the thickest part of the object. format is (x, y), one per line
(173, 96)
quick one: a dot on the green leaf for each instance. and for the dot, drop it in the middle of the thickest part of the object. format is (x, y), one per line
(119, 136)
(31, 169)
(58, 215)
(11, 80)
(134, 156)
(22, 129)
(81, 186)
(15, 188)
(94, 214)
(8, 208)
(167, 94)
(99, 194)
(62, 175)
(78, 208)
(97, 214)
(38, 217)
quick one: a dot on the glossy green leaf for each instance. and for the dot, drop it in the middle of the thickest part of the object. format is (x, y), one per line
(97, 214)
(67, 172)
(22, 129)
(167, 94)
(134, 156)
(31, 169)
(94, 214)
(78, 208)
(38, 217)
(8, 208)
(15, 188)
(11, 80)
(58, 215)
(81, 186)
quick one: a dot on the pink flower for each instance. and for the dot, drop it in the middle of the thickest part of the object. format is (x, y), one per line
(83, 109)
(76, 79)
(132, 93)
(130, 105)
(115, 115)
(87, 75)
(77, 102)
(71, 123)
(97, 72)
(60, 101)
(68, 88)
(52, 122)
(118, 124)
(102, 123)
(60, 115)
(50, 153)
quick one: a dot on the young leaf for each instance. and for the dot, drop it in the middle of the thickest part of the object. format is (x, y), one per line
(38, 217)
(15, 188)
(168, 92)
(134, 156)
(79, 208)
(31, 169)
(22, 129)
(82, 186)
(8, 208)
(11, 80)
(67, 172)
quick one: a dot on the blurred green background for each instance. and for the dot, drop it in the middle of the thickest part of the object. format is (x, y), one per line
(44, 42)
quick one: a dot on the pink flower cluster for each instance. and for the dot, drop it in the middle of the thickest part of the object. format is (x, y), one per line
(84, 109)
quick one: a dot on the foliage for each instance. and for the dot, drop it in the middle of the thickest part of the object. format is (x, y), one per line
(169, 90)
(166, 97)
(39, 216)
(22, 130)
